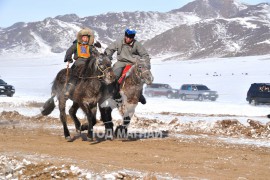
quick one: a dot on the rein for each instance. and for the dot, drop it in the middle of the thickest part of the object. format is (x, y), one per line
(137, 75)
(98, 76)
(67, 73)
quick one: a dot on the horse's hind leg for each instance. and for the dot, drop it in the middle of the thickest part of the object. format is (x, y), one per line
(72, 112)
(63, 117)
(106, 117)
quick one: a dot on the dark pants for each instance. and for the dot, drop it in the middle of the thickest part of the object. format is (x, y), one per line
(118, 69)
(118, 72)
(74, 76)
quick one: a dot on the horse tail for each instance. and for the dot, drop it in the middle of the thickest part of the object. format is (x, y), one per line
(56, 89)
(55, 82)
(48, 107)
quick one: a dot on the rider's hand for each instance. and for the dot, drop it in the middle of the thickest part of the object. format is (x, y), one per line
(68, 60)
(110, 57)
(97, 44)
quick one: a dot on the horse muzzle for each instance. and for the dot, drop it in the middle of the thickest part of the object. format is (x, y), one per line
(109, 77)
(148, 78)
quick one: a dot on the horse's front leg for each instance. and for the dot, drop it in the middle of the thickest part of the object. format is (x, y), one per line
(90, 111)
(127, 113)
(106, 117)
(72, 112)
(63, 117)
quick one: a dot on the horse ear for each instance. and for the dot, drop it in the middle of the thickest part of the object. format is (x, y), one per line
(100, 59)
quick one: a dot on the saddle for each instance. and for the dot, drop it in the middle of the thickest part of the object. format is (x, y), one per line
(124, 73)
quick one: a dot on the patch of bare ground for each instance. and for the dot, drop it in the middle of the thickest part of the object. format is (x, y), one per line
(173, 157)
(29, 104)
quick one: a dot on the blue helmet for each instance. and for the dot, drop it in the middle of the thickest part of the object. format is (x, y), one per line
(130, 33)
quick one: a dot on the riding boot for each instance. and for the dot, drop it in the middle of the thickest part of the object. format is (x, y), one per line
(117, 96)
(72, 81)
(69, 89)
(142, 98)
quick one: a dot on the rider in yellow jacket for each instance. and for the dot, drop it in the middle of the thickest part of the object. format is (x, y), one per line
(80, 51)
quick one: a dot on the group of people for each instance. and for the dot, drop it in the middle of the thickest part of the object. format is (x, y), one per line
(128, 49)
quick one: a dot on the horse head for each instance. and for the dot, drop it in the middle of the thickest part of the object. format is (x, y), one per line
(104, 66)
(143, 72)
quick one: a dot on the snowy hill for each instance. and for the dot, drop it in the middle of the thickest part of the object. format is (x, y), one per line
(200, 29)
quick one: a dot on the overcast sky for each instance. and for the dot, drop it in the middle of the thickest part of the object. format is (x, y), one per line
(12, 11)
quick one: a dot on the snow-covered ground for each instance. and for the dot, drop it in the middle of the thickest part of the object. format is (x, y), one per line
(32, 77)
(230, 77)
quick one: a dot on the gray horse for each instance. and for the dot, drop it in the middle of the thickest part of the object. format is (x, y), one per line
(97, 73)
(130, 89)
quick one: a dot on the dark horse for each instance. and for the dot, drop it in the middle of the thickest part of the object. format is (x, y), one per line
(93, 77)
(130, 89)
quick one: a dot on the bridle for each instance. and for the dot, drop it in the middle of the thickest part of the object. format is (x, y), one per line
(100, 69)
(138, 73)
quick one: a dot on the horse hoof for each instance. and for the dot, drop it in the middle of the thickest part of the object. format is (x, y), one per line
(120, 132)
(109, 138)
(90, 139)
(69, 139)
(78, 131)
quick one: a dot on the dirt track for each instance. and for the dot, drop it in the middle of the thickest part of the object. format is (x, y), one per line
(168, 157)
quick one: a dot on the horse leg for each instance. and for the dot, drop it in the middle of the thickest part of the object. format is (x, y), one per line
(72, 112)
(121, 130)
(88, 109)
(94, 121)
(106, 117)
(94, 112)
(127, 112)
(63, 117)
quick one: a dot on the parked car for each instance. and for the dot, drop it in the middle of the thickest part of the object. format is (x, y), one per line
(158, 89)
(258, 93)
(197, 92)
(6, 89)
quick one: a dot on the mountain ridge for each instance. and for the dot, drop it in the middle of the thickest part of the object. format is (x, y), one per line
(199, 29)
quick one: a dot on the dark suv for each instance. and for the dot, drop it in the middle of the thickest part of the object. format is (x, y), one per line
(197, 91)
(158, 89)
(258, 93)
(6, 89)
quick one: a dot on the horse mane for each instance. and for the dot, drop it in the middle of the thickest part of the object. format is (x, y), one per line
(131, 73)
(89, 68)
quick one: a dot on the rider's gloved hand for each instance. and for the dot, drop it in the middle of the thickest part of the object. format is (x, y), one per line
(110, 57)
(97, 44)
(68, 60)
